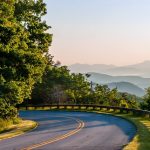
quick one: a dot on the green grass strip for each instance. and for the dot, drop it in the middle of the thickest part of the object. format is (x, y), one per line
(18, 129)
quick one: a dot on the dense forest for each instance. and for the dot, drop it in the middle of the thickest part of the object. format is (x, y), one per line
(28, 73)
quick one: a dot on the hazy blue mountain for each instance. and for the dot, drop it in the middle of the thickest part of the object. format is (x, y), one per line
(126, 70)
(143, 65)
(140, 69)
(105, 79)
(132, 78)
(127, 87)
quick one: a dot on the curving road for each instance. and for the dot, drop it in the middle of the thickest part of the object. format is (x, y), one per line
(60, 130)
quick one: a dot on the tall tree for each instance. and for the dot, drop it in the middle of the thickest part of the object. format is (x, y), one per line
(79, 89)
(55, 81)
(146, 100)
(23, 44)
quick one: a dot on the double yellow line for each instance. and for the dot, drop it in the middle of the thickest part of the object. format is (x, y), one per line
(61, 137)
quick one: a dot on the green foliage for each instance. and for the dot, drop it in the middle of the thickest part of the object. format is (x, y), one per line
(102, 92)
(25, 62)
(60, 86)
(29, 13)
(54, 82)
(6, 123)
(23, 44)
(128, 100)
(7, 110)
(146, 100)
(79, 89)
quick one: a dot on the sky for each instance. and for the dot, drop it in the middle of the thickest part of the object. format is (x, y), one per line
(99, 31)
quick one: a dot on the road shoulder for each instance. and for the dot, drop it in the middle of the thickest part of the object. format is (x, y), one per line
(19, 129)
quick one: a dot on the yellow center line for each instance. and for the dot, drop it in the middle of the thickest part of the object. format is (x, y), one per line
(61, 137)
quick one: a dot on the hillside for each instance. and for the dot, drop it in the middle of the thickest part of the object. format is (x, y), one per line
(105, 79)
(140, 69)
(127, 87)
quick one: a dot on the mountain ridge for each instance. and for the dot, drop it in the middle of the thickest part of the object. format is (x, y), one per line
(140, 69)
(105, 79)
(127, 87)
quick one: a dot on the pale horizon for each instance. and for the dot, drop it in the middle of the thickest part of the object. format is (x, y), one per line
(111, 64)
(99, 32)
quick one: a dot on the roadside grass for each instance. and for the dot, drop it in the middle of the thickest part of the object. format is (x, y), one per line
(8, 124)
(12, 128)
(142, 139)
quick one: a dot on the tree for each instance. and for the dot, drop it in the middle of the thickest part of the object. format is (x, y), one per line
(54, 82)
(60, 86)
(146, 100)
(101, 93)
(23, 44)
(128, 100)
(79, 89)
(113, 97)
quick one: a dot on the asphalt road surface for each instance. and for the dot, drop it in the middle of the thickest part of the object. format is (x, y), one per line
(62, 130)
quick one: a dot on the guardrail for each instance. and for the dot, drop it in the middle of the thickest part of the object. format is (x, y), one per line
(138, 112)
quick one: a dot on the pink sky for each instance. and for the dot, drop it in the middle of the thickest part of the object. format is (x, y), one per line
(100, 32)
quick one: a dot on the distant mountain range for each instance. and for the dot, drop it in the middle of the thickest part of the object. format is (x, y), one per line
(105, 79)
(140, 69)
(130, 84)
(127, 87)
(132, 78)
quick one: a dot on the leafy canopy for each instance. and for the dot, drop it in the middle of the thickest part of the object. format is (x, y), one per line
(23, 45)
